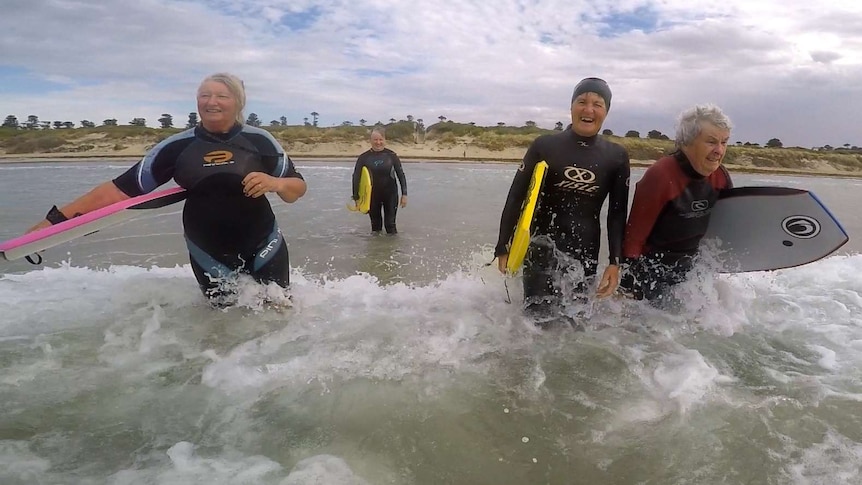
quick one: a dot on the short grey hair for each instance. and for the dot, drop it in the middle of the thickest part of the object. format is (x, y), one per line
(236, 88)
(378, 129)
(691, 121)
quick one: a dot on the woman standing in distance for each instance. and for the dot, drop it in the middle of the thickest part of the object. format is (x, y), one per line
(226, 168)
(383, 166)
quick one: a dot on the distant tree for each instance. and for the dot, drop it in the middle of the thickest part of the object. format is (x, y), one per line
(392, 120)
(346, 123)
(45, 125)
(441, 118)
(632, 134)
(87, 124)
(501, 124)
(846, 145)
(410, 118)
(58, 125)
(654, 135)
(530, 124)
(274, 123)
(32, 122)
(138, 122)
(472, 123)
(305, 122)
(774, 143)
(607, 132)
(559, 126)
(167, 121)
(420, 122)
(282, 121)
(314, 115)
(68, 125)
(738, 143)
(193, 120)
(11, 121)
(827, 148)
(252, 120)
(362, 122)
(110, 122)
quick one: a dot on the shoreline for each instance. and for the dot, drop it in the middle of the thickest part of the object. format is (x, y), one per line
(408, 157)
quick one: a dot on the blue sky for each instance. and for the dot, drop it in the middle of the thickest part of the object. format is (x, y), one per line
(789, 72)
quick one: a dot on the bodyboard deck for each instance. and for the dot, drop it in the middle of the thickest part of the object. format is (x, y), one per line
(768, 228)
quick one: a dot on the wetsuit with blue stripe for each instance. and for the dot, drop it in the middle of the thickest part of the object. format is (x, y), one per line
(582, 173)
(383, 166)
(226, 232)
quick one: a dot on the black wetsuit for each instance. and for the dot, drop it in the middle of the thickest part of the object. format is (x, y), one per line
(225, 230)
(383, 166)
(669, 216)
(582, 172)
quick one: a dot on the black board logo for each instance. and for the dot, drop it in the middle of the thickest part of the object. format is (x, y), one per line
(802, 227)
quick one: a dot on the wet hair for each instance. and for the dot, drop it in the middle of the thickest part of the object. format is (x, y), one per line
(691, 122)
(236, 88)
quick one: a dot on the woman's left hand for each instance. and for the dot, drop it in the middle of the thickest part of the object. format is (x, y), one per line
(403, 201)
(256, 184)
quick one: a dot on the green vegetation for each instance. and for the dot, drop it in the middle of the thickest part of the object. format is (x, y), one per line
(444, 134)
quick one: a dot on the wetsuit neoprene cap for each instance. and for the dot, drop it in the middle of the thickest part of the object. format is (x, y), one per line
(594, 85)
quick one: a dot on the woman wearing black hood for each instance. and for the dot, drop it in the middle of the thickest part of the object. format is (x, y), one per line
(583, 170)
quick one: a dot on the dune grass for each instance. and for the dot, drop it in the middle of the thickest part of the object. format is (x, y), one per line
(446, 134)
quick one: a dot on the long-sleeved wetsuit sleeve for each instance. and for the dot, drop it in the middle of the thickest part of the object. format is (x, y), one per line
(515, 199)
(651, 195)
(617, 210)
(357, 173)
(399, 172)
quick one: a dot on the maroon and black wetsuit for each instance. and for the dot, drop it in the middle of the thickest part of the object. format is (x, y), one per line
(582, 173)
(669, 216)
(383, 166)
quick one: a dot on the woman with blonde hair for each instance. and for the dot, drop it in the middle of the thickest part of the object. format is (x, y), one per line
(227, 168)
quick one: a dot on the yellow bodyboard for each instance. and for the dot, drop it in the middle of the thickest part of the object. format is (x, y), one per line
(363, 205)
(521, 237)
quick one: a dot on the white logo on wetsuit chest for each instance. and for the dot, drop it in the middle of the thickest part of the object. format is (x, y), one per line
(579, 179)
(268, 248)
(699, 205)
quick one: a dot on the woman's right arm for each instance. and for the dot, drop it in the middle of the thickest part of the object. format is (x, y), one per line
(101, 196)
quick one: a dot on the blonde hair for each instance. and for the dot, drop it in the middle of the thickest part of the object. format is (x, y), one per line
(236, 88)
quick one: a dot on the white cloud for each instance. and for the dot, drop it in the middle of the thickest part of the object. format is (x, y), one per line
(789, 72)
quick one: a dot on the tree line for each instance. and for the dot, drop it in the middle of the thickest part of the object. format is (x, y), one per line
(167, 121)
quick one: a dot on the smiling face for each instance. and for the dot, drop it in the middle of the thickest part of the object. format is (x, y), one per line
(217, 106)
(707, 149)
(588, 113)
(378, 141)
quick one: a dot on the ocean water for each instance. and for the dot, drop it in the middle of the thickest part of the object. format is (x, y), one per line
(400, 361)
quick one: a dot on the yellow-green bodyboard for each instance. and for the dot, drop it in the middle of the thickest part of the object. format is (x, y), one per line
(523, 230)
(363, 205)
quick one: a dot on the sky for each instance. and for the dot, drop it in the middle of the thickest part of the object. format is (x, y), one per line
(782, 69)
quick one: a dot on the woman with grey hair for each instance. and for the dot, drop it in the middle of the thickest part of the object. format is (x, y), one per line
(672, 203)
(226, 168)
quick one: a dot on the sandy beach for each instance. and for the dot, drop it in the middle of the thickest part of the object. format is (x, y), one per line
(429, 151)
